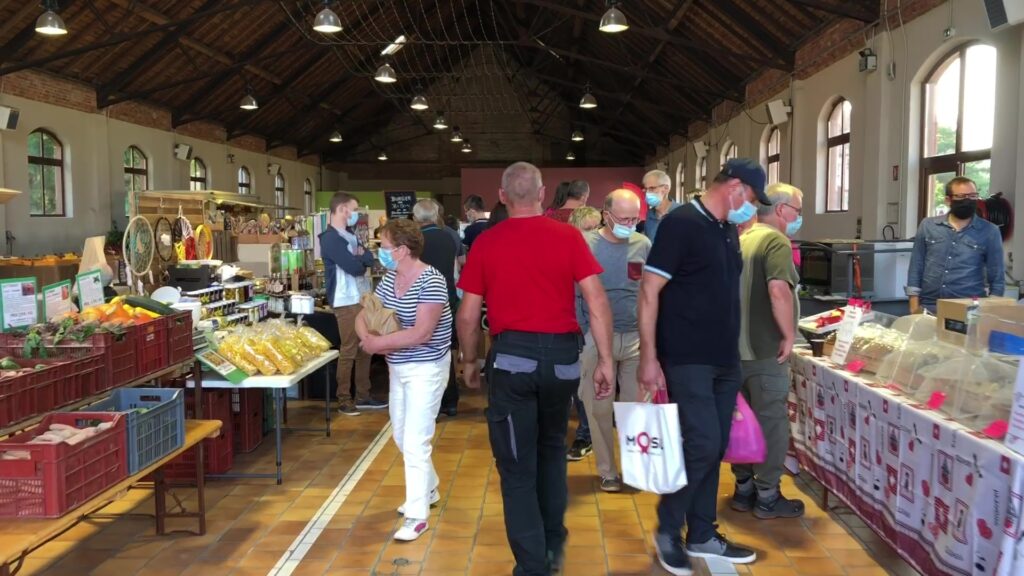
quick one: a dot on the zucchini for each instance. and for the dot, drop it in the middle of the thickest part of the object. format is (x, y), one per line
(150, 304)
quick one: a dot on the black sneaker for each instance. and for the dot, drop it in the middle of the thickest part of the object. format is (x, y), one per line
(743, 502)
(720, 547)
(349, 409)
(671, 555)
(371, 404)
(580, 449)
(611, 484)
(450, 412)
(778, 507)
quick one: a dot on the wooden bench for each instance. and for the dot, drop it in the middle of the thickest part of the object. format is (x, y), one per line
(20, 537)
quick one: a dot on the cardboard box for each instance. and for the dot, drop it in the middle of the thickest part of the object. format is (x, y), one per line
(952, 315)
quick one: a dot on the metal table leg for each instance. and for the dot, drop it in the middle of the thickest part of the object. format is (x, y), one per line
(327, 400)
(279, 401)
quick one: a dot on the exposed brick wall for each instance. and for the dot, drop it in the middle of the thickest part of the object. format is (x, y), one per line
(250, 143)
(697, 129)
(141, 114)
(204, 131)
(284, 152)
(311, 159)
(51, 89)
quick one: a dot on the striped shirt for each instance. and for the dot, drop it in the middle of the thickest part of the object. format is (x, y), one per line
(429, 288)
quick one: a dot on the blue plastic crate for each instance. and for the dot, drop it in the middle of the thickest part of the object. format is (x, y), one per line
(154, 433)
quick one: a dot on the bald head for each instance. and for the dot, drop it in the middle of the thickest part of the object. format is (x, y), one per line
(623, 199)
(521, 184)
(621, 207)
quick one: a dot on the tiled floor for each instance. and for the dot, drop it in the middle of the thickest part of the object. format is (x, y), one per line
(253, 522)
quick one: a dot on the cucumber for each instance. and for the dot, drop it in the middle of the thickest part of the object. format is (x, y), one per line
(149, 304)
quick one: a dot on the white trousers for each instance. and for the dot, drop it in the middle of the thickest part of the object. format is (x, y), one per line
(415, 397)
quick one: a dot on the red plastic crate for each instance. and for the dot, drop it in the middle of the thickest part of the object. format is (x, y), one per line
(219, 451)
(65, 380)
(151, 346)
(247, 419)
(59, 477)
(119, 351)
(179, 337)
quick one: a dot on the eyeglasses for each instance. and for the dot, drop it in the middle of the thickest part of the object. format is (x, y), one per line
(624, 221)
(799, 211)
(966, 197)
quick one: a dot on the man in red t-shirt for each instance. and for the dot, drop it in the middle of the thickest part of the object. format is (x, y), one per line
(526, 268)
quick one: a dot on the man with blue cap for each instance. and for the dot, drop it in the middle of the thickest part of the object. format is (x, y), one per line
(689, 320)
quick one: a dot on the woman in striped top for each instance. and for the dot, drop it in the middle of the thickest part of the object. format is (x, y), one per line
(418, 360)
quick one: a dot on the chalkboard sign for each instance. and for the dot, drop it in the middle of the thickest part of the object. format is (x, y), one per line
(399, 204)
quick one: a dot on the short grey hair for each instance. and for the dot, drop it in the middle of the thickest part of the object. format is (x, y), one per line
(663, 178)
(522, 183)
(425, 211)
(778, 193)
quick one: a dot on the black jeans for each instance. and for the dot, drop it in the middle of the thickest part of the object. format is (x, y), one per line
(530, 380)
(706, 397)
(450, 400)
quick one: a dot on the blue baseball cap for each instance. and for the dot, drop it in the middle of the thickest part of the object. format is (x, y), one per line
(749, 172)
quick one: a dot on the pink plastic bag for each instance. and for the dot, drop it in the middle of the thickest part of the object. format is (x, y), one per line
(746, 441)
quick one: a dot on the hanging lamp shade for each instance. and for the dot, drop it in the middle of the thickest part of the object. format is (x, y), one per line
(51, 24)
(467, 147)
(386, 74)
(440, 123)
(613, 21)
(336, 137)
(577, 136)
(248, 102)
(419, 102)
(456, 135)
(382, 156)
(570, 156)
(588, 101)
(326, 21)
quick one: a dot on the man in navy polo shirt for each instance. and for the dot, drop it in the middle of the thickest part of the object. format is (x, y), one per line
(689, 319)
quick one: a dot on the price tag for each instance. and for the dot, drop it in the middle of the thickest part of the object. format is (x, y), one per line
(18, 305)
(90, 289)
(56, 299)
(844, 334)
(1015, 431)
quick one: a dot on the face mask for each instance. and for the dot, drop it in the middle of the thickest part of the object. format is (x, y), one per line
(793, 227)
(353, 218)
(387, 258)
(964, 209)
(622, 232)
(742, 215)
(653, 200)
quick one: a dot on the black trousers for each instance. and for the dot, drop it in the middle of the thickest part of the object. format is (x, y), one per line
(706, 398)
(530, 380)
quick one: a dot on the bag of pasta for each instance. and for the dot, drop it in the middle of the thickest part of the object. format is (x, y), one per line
(380, 321)
(314, 339)
(285, 365)
(254, 353)
(231, 348)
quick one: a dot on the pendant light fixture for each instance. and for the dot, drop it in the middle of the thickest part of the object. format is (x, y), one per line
(577, 136)
(419, 101)
(248, 102)
(383, 156)
(570, 156)
(440, 123)
(50, 23)
(336, 137)
(386, 74)
(326, 21)
(466, 147)
(614, 20)
(588, 101)
(456, 135)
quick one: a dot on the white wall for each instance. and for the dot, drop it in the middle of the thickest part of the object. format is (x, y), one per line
(885, 126)
(94, 178)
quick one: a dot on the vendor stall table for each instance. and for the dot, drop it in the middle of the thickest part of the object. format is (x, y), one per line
(949, 500)
(19, 537)
(278, 383)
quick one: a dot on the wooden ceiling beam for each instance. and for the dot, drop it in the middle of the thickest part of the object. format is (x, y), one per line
(619, 96)
(852, 9)
(753, 28)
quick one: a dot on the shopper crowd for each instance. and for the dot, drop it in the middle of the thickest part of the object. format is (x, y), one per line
(583, 310)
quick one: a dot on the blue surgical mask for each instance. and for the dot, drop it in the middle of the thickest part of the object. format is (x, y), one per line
(387, 258)
(353, 218)
(793, 227)
(742, 215)
(459, 293)
(623, 232)
(653, 200)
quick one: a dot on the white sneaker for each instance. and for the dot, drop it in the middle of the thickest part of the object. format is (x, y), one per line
(411, 529)
(435, 497)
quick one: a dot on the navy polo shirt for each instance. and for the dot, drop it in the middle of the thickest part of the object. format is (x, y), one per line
(699, 307)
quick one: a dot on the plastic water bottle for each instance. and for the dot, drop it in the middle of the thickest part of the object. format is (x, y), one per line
(972, 319)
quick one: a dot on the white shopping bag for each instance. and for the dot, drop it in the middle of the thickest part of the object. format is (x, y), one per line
(651, 446)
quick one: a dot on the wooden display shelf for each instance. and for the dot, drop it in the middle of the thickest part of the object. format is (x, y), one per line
(20, 537)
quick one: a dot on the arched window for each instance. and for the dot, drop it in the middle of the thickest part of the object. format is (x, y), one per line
(959, 119)
(244, 181)
(307, 195)
(196, 174)
(279, 194)
(773, 154)
(837, 175)
(702, 173)
(136, 170)
(729, 151)
(680, 182)
(45, 174)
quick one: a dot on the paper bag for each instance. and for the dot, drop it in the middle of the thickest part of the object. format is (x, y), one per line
(380, 321)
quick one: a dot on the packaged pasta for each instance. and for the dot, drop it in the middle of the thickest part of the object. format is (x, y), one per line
(231, 348)
(253, 350)
(280, 360)
(314, 339)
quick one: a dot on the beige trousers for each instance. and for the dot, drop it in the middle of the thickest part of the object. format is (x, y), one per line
(625, 360)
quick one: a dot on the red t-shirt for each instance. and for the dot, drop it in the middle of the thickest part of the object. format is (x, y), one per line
(526, 269)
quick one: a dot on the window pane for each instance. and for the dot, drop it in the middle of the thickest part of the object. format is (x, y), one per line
(847, 111)
(981, 172)
(140, 182)
(308, 199)
(937, 198)
(846, 177)
(834, 181)
(942, 96)
(128, 183)
(773, 172)
(52, 193)
(35, 187)
(140, 159)
(35, 147)
(127, 157)
(50, 148)
(979, 97)
(773, 142)
(835, 121)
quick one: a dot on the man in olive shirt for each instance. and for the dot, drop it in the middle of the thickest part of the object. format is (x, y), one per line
(769, 310)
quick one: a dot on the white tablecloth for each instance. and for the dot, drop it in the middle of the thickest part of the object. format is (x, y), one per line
(948, 499)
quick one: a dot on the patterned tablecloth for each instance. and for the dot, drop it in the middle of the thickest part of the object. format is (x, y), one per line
(948, 499)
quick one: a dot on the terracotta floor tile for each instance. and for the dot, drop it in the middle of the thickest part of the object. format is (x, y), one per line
(119, 567)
